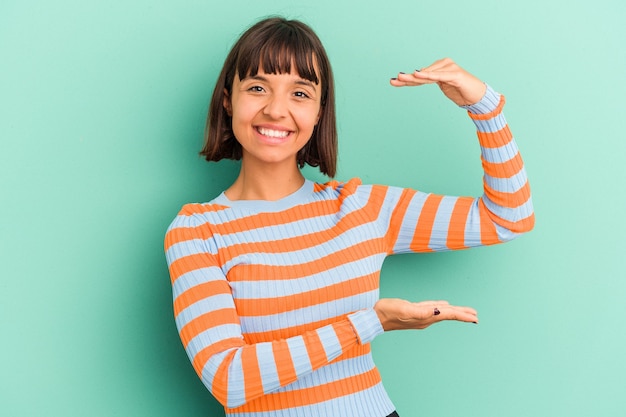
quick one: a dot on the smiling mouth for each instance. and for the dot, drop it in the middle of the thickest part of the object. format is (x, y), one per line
(278, 134)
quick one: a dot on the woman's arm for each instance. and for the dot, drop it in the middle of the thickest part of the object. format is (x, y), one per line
(233, 370)
(422, 222)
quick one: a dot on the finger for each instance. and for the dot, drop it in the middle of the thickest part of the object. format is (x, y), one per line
(448, 77)
(437, 65)
(427, 303)
(465, 314)
(408, 80)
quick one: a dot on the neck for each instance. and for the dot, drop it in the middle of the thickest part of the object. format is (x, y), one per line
(268, 183)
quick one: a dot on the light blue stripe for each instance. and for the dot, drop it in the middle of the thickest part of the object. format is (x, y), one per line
(267, 365)
(216, 302)
(272, 288)
(507, 185)
(332, 372)
(472, 226)
(298, 227)
(195, 277)
(190, 247)
(366, 325)
(345, 240)
(501, 154)
(492, 125)
(280, 231)
(488, 103)
(211, 367)
(409, 222)
(299, 355)
(439, 235)
(211, 336)
(236, 386)
(373, 401)
(472, 230)
(505, 234)
(510, 214)
(330, 341)
(317, 312)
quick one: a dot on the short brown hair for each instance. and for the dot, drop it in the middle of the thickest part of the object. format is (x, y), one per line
(276, 43)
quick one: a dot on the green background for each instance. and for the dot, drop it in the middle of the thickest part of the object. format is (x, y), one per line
(102, 109)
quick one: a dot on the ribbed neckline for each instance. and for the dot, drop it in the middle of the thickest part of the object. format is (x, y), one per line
(293, 199)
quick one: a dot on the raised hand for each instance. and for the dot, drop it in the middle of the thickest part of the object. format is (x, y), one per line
(457, 84)
(398, 314)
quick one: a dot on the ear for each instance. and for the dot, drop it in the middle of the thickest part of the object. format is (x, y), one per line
(319, 115)
(227, 105)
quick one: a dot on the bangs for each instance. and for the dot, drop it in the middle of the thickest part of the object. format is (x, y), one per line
(276, 52)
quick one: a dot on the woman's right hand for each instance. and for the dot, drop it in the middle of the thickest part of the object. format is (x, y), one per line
(398, 314)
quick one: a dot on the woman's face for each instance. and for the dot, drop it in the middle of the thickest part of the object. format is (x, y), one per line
(273, 115)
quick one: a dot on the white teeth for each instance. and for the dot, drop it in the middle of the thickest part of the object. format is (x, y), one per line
(273, 133)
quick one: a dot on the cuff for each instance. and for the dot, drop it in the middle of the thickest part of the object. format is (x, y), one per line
(487, 104)
(366, 325)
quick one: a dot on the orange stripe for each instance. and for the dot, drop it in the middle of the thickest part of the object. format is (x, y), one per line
(253, 383)
(207, 321)
(352, 219)
(284, 363)
(203, 356)
(495, 139)
(397, 217)
(190, 263)
(317, 187)
(198, 208)
(490, 115)
(206, 230)
(294, 214)
(182, 234)
(488, 234)
(312, 210)
(458, 220)
(425, 222)
(520, 226)
(199, 292)
(249, 272)
(287, 332)
(219, 388)
(510, 200)
(267, 306)
(313, 395)
(348, 339)
(503, 169)
(315, 349)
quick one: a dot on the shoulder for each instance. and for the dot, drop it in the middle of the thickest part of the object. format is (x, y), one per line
(354, 190)
(195, 217)
(339, 187)
(194, 209)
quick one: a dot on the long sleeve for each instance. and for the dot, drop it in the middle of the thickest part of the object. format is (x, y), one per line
(424, 222)
(234, 370)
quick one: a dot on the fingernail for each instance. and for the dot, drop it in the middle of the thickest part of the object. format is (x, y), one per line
(475, 322)
(394, 79)
(417, 70)
(401, 72)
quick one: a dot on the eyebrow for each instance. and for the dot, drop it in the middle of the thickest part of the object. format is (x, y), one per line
(299, 81)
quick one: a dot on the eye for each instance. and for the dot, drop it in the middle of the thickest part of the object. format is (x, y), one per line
(256, 89)
(301, 94)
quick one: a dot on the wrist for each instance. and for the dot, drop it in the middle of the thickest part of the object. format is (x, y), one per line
(488, 102)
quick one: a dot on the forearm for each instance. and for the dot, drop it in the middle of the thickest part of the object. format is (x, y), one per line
(506, 200)
(237, 372)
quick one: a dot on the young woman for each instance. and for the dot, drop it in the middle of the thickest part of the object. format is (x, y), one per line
(276, 280)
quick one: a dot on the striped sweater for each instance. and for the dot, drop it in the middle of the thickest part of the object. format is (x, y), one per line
(274, 300)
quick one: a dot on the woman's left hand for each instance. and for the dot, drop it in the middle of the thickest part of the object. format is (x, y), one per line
(457, 84)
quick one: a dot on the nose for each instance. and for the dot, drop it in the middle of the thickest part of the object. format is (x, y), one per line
(276, 106)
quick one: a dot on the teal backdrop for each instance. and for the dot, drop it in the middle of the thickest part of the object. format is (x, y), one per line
(102, 110)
